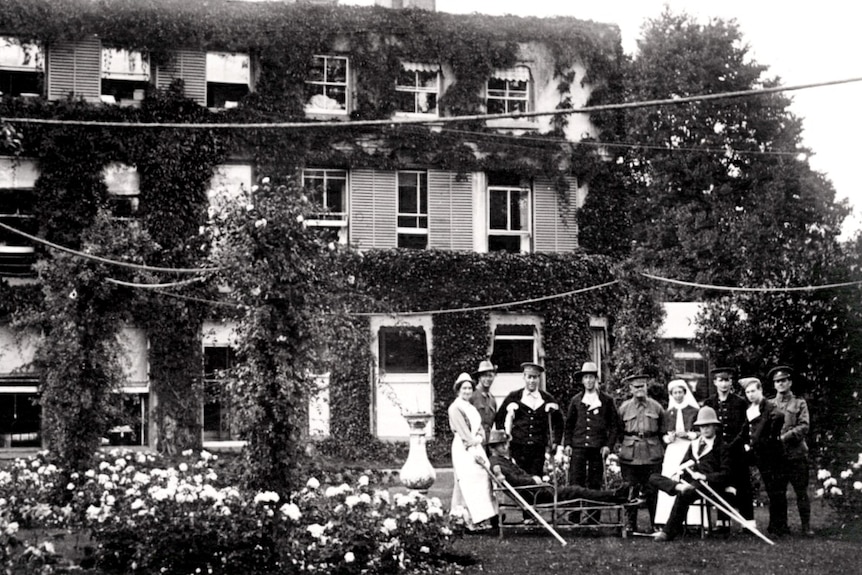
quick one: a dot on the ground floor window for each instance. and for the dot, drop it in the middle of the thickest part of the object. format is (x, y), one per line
(218, 424)
(20, 419)
(132, 421)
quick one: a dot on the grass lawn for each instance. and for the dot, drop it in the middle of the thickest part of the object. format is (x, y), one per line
(833, 550)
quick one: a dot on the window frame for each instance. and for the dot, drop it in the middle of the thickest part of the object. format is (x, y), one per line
(418, 90)
(21, 252)
(325, 83)
(421, 197)
(27, 51)
(508, 95)
(123, 190)
(217, 87)
(525, 234)
(125, 81)
(336, 221)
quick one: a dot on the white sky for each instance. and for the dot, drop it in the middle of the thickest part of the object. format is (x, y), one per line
(802, 42)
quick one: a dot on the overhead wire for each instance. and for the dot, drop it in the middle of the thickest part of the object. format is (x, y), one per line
(752, 289)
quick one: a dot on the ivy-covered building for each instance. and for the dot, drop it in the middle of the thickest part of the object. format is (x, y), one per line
(449, 215)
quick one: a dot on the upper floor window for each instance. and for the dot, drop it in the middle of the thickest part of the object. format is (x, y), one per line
(17, 179)
(124, 189)
(228, 79)
(328, 189)
(21, 67)
(125, 75)
(326, 89)
(413, 210)
(509, 214)
(508, 91)
(417, 89)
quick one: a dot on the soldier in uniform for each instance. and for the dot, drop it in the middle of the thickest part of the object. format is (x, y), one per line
(730, 409)
(592, 429)
(482, 399)
(533, 420)
(641, 452)
(796, 423)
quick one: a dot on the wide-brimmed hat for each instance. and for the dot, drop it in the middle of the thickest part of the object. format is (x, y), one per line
(461, 379)
(588, 367)
(780, 371)
(484, 367)
(728, 370)
(497, 436)
(527, 364)
(706, 416)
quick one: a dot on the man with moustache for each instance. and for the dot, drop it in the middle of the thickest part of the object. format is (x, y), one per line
(482, 399)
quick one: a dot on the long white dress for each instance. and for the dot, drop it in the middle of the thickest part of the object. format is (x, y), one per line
(673, 454)
(472, 489)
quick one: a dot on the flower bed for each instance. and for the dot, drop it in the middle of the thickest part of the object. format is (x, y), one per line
(844, 492)
(144, 516)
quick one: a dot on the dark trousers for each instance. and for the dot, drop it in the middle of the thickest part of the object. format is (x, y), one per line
(639, 476)
(683, 501)
(740, 479)
(587, 470)
(775, 483)
(530, 457)
(796, 473)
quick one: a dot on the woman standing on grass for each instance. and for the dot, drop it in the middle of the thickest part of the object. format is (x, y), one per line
(472, 486)
(679, 421)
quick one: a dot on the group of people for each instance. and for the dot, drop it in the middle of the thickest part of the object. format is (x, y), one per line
(664, 452)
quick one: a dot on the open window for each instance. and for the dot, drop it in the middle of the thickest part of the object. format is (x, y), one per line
(124, 189)
(228, 79)
(22, 66)
(131, 425)
(509, 213)
(515, 339)
(412, 209)
(20, 412)
(328, 189)
(417, 89)
(220, 358)
(327, 86)
(509, 90)
(17, 179)
(125, 76)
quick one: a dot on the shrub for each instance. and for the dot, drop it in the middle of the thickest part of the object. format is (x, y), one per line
(843, 493)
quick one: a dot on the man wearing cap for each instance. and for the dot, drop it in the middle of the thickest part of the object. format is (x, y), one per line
(641, 451)
(482, 399)
(793, 433)
(763, 429)
(730, 409)
(502, 462)
(533, 419)
(705, 461)
(592, 428)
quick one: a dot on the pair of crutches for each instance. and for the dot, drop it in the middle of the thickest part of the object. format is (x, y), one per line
(710, 495)
(501, 481)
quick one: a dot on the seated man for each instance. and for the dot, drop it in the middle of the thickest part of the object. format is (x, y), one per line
(498, 444)
(706, 461)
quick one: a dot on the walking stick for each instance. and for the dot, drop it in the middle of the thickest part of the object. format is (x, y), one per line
(520, 500)
(725, 507)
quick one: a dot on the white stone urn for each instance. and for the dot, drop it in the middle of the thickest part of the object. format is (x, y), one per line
(417, 472)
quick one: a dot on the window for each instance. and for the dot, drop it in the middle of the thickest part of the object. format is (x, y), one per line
(412, 210)
(513, 345)
(17, 179)
(217, 424)
(21, 68)
(20, 412)
(403, 349)
(417, 89)
(509, 214)
(326, 87)
(123, 183)
(509, 91)
(132, 425)
(328, 189)
(228, 79)
(125, 75)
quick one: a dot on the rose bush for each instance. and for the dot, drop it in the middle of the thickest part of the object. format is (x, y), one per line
(148, 517)
(844, 492)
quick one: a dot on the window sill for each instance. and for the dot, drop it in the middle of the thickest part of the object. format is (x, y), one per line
(526, 124)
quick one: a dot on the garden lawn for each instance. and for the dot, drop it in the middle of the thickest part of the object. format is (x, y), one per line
(835, 549)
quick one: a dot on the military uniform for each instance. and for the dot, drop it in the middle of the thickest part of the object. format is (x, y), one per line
(486, 405)
(731, 413)
(793, 432)
(641, 451)
(588, 429)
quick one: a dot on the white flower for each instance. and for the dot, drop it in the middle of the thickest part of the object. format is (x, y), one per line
(330, 246)
(265, 181)
(183, 467)
(70, 486)
(389, 525)
(418, 516)
(249, 207)
(352, 500)
(316, 530)
(349, 557)
(266, 497)
(291, 511)
(261, 223)
(137, 504)
(823, 474)
(830, 482)
(847, 474)
(300, 219)
(857, 485)
(12, 528)
(836, 491)
(424, 549)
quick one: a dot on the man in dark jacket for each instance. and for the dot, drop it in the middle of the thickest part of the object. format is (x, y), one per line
(763, 427)
(533, 420)
(592, 429)
(501, 461)
(706, 461)
(730, 409)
